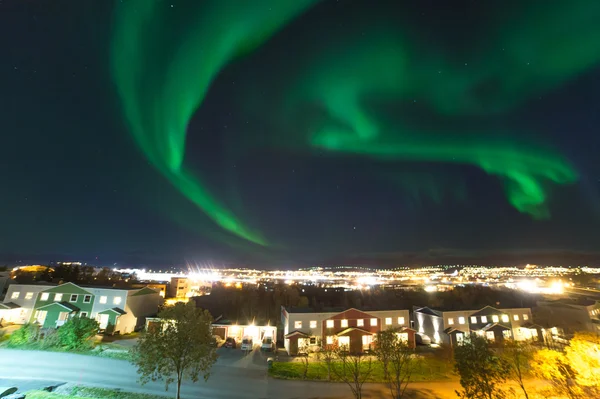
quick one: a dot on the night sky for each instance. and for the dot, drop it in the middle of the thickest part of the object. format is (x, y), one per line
(281, 133)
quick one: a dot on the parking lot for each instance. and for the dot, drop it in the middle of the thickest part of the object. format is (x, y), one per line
(256, 359)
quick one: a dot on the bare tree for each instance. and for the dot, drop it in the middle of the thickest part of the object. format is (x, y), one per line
(399, 361)
(303, 355)
(517, 355)
(328, 355)
(354, 370)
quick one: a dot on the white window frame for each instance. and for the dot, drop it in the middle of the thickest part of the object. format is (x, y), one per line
(360, 322)
(344, 323)
(461, 320)
(71, 297)
(474, 319)
(15, 295)
(29, 295)
(373, 322)
(495, 318)
(330, 323)
(58, 297)
(87, 296)
(44, 296)
(505, 318)
(83, 314)
(388, 321)
(313, 324)
(329, 340)
(401, 320)
(298, 324)
(516, 317)
(450, 321)
(103, 299)
(117, 300)
(484, 319)
(525, 316)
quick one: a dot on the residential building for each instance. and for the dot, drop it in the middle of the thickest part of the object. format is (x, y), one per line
(226, 329)
(452, 327)
(568, 316)
(353, 328)
(160, 287)
(185, 288)
(19, 302)
(116, 310)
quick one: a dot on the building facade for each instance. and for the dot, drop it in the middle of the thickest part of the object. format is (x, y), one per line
(352, 328)
(568, 316)
(116, 310)
(452, 327)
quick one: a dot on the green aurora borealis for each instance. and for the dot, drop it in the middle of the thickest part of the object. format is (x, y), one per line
(163, 69)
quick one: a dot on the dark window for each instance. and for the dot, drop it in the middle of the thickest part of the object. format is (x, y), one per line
(87, 299)
(73, 298)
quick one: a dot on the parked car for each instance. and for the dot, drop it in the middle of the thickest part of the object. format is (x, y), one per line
(230, 343)
(247, 344)
(267, 344)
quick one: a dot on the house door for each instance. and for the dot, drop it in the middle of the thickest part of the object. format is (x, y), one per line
(103, 320)
(41, 317)
(62, 318)
(344, 342)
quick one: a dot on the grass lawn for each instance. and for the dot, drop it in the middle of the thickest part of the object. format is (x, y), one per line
(427, 369)
(90, 393)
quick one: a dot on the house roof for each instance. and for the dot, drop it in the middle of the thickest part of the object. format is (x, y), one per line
(451, 330)
(347, 330)
(493, 325)
(114, 310)
(485, 311)
(69, 288)
(145, 291)
(65, 305)
(426, 310)
(9, 305)
(530, 325)
(296, 332)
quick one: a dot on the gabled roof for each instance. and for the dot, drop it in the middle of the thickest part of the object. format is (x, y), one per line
(296, 332)
(9, 305)
(493, 325)
(114, 310)
(65, 305)
(451, 330)
(145, 291)
(426, 310)
(485, 311)
(347, 330)
(530, 325)
(68, 288)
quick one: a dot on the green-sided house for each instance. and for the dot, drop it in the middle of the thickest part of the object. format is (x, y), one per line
(120, 310)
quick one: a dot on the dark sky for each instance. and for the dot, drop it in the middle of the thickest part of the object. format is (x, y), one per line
(75, 183)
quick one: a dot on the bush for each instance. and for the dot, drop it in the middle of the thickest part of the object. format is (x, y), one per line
(49, 339)
(26, 335)
(77, 332)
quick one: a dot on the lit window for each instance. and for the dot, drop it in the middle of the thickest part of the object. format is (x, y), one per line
(117, 300)
(450, 321)
(490, 335)
(388, 321)
(360, 322)
(58, 297)
(495, 318)
(29, 295)
(14, 295)
(473, 319)
(516, 317)
(329, 340)
(87, 299)
(44, 296)
(401, 320)
(329, 323)
(373, 322)
(461, 320)
(460, 337)
(313, 324)
(298, 324)
(344, 323)
(525, 316)
(484, 319)
(73, 298)
(103, 299)
(505, 318)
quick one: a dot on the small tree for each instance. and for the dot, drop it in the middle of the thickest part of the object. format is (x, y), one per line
(354, 370)
(399, 361)
(583, 354)
(180, 345)
(517, 355)
(303, 355)
(77, 333)
(27, 334)
(481, 371)
(328, 355)
(554, 367)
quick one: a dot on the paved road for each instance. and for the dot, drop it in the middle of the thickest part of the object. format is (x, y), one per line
(235, 375)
